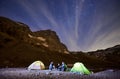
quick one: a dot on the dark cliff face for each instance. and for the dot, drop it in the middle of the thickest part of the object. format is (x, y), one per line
(20, 32)
(50, 40)
(14, 29)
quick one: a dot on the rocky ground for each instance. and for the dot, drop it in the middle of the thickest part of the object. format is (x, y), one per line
(23, 73)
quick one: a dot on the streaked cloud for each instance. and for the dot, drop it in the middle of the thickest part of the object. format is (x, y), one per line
(46, 12)
(31, 10)
(83, 25)
(105, 41)
(78, 10)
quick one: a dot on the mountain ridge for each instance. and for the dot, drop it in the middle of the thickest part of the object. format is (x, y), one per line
(110, 54)
(21, 31)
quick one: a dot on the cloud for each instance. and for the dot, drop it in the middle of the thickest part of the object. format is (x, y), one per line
(31, 10)
(106, 40)
(72, 42)
(36, 9)
(78, 10)
(105, 31)
(46, 12)
(103, 23)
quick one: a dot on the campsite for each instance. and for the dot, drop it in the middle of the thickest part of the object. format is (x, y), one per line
(60, 39)
(37, 70)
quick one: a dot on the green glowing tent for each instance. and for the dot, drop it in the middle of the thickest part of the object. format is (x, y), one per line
(80, 68)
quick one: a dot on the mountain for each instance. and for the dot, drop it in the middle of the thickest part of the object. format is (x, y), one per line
(19, 47)
(111, 54)
(21, 32)
(50, 40)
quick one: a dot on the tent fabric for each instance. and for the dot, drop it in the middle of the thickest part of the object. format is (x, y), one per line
(80, 68)
(37, 65)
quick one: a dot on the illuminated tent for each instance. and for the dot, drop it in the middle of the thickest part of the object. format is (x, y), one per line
(37, 65)
(80, 68)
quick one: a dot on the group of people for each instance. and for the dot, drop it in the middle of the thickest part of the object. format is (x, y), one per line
(59, 67)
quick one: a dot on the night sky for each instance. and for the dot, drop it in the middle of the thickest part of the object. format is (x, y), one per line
(82, 25)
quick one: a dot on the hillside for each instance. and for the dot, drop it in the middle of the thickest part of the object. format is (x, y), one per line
(21, 32)
(19, 47)
(19, 43)
(111, 54)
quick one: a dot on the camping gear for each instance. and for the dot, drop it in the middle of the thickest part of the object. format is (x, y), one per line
(37, 65)
(80, 68)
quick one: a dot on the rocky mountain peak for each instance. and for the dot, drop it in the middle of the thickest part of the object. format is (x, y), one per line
(46, 39)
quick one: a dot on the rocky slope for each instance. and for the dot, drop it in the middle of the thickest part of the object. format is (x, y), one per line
(19, 46)
(111, 54)
(10, 30)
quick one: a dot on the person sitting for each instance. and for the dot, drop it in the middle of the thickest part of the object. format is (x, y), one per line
(51, 66)
(63, 67)
(58, 67)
